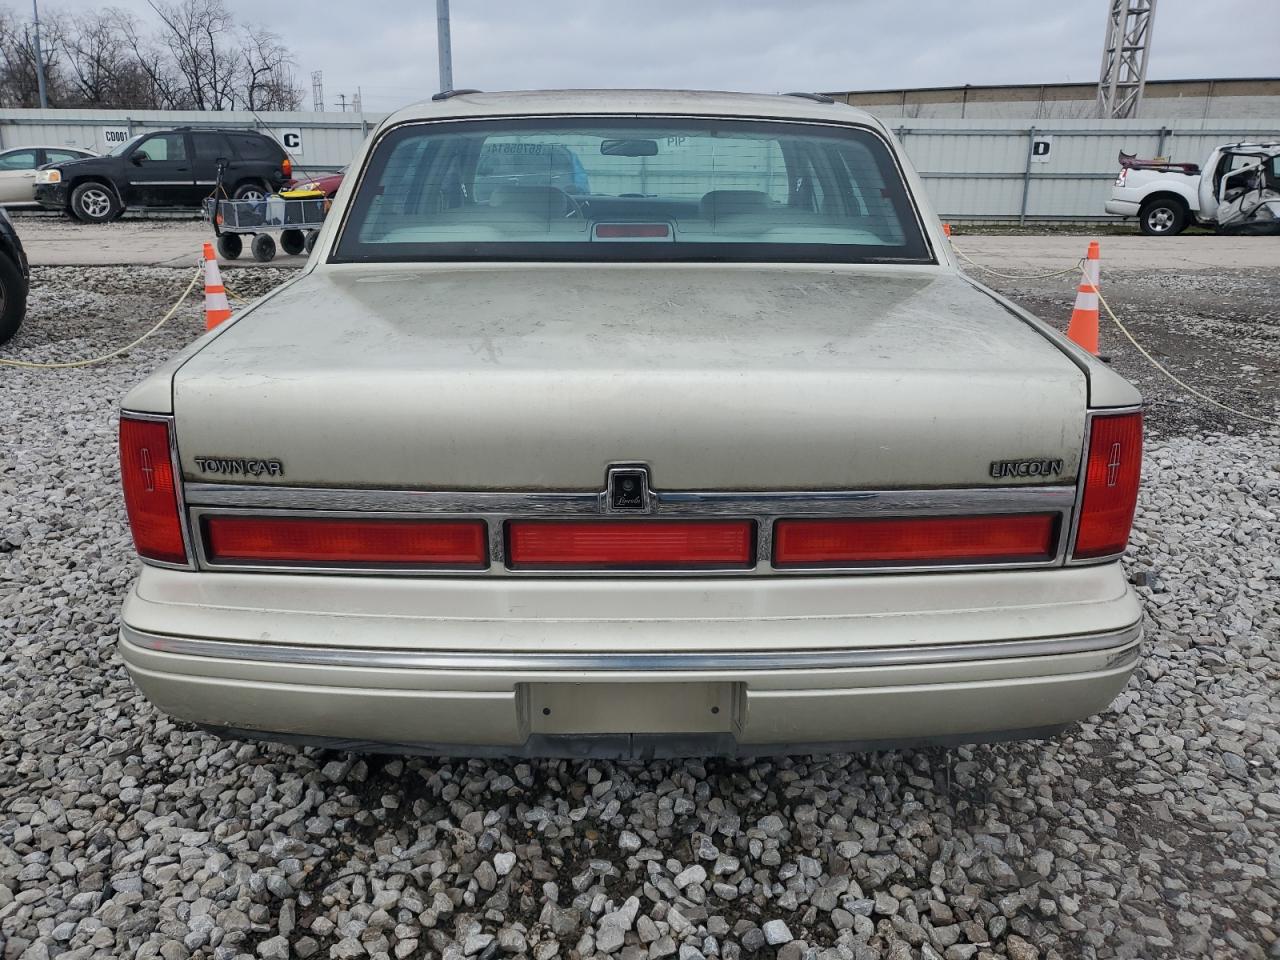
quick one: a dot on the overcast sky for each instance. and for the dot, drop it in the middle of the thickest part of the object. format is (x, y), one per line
(388, 47)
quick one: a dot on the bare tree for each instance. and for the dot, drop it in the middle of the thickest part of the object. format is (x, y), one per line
(195, 57)
(268, 72)
(160, 87)
(19, 85)
(200, 37)
(101, 69)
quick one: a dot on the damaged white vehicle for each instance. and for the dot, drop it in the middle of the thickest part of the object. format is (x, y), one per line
(690, 438)
(1236, 190)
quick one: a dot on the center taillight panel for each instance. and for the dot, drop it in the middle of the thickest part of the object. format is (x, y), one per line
(630, 544)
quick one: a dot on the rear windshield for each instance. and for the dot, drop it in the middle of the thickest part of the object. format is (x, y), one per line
(631, 189)
(256, 147)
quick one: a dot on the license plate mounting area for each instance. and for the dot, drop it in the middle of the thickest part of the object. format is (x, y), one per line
(589, 707)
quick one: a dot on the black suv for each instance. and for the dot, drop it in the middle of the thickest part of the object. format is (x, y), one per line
(170, 168)
(13, 279)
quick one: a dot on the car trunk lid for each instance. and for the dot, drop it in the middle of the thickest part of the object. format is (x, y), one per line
(538, 377)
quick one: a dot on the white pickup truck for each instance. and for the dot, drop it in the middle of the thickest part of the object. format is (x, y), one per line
(1236, 189)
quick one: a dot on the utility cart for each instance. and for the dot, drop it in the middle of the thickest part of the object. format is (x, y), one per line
(296, 218)
(294, 214)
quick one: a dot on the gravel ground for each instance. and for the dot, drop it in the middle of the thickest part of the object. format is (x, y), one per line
(1149, 831)
(1217, 330)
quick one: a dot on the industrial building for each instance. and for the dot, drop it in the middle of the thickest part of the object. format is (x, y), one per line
(1220, 99)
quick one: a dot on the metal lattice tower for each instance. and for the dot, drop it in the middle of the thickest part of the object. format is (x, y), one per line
(317, 91)
(1124, 57)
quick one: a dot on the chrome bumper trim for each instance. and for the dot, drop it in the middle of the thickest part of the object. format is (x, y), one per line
(1122, 642)
(851, 503)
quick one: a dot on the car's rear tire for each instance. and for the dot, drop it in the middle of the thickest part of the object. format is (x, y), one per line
(1163, 217)
(13, 299)
(250, 191)
(94, 202)
(292, 242)
(264, 248)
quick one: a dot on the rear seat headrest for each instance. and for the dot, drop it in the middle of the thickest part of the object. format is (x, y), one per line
(719, 203)
(538, 201)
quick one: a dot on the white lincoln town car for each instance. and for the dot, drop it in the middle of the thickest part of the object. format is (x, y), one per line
(631, 424)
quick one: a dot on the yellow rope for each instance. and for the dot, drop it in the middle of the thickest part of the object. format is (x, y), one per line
(1079, 265)
(114, 353)
(1155, 363)
(1019, 276)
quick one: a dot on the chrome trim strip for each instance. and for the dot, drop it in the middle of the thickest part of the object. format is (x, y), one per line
(496, 508)
(184, 514)
(1081, 474)
(859, 503)
(1118, 641)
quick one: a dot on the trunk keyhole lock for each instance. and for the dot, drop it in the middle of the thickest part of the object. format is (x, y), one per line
(627, 489)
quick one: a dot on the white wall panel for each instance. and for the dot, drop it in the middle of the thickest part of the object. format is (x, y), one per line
(973, 168)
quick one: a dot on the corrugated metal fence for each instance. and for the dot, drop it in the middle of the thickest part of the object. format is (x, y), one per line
(975, 169)
(1057, 170)
(317, 141)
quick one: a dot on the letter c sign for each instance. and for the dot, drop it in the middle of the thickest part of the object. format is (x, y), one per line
(291, 140)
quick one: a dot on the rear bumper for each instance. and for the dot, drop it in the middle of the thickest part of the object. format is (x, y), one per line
(621, 709)
(633, 669)
(1122, 208)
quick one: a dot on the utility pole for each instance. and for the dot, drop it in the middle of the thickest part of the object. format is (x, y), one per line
(342, 102)
(317, 91)
(444, 48)
(44, 98)
(1124, 58)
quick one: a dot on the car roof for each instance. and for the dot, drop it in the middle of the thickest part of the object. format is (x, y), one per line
(644, 102)
(46, 146)
(203, 129)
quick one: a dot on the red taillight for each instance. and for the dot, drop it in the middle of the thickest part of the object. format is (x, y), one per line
(150, 493)
(915, 540)
(623, 231)
(630, 544)
(323, 540)
(287, 168)
(1111, 477)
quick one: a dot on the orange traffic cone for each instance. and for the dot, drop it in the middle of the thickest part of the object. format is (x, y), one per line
(946, 230)
(216, 306)
(1083, 329)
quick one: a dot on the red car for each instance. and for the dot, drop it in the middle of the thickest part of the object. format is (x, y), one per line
(328, 183)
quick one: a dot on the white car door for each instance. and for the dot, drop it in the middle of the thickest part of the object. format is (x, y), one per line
(1208, 186)
(18, 175)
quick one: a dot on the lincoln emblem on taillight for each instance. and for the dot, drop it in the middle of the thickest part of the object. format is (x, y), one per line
(1113, 465)
(148, 471)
